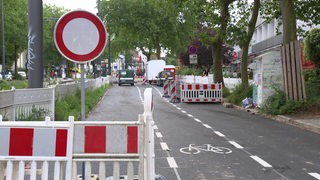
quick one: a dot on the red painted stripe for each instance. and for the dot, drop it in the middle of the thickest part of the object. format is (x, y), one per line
(190, 100)
(205, 86)
(197, 100)
(95, 139)
(61, 142)
(205, 100)
(21, 142)
(182, 86)
(132, 135)
(213, 86)
(220, 86)
(197, 86)
(189, 86)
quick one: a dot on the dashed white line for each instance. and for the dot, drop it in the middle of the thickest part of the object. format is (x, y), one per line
(164, 146)
(172, 163)
(198, 120)
(315, 175)
(190, 115)
(155, 127)
(236, 144)
(219, 134)
(178, 108)
(184, 112)
(261, 161)
(159, 135)
(207, 126)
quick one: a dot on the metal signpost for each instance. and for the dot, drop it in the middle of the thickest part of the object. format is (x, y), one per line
(80, 36)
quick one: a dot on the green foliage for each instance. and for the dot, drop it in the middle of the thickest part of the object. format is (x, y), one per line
(71, 105)
(239, 93)
(17, 84)
(189, 71)
(278, 104)
(36, 114)
(312, 46)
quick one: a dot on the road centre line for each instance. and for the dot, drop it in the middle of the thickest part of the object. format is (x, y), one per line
(164, 146)
(261, 161)
(159, 135)
(236, 144)
(315, 175)
(219, 134)
(207, 126)
(172, 163)
(190, 115)
(198, 120)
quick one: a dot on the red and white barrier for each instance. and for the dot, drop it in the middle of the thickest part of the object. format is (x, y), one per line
(201, 92)
(172, 90)
(33, 141)
(165, 88)
(68, 144)
(105, 139)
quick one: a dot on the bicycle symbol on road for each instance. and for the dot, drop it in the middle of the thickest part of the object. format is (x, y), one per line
(193, 149)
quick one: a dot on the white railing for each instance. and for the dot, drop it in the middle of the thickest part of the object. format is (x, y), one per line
(129, 144)
(18, 103)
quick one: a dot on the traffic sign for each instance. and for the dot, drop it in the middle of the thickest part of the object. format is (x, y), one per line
(80, 36)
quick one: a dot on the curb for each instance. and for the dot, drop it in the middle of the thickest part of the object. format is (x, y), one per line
(285, 119)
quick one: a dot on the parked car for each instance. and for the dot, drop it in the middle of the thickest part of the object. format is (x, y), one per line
(7, 75)
(162, 76)
(22, 74)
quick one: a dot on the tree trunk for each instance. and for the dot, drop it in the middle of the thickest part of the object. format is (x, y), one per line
(289, 21)
(246, 42)
(217, 69)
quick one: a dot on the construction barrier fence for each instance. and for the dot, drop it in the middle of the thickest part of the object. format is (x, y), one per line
(55, 150)
(201, 92)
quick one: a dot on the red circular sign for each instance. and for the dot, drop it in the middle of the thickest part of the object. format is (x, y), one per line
(80, 36)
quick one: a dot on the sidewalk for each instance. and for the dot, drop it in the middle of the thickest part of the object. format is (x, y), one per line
(310, 123)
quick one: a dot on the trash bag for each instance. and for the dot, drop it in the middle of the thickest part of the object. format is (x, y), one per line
(247, 102)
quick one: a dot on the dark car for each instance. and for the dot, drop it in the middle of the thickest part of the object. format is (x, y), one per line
(126, 77)
(162, 76)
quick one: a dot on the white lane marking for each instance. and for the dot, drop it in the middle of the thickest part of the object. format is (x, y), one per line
(207, 126)
(219, 134)
(236, 144)
(178, 108)
(261, 161)
(159, 135)
(184, 111)
(190, 115)
(155, 127)
(172, 163)
(198, 120)
(315, 175)
(164, 146)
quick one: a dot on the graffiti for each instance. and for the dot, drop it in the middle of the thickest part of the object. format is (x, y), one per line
(31, 55)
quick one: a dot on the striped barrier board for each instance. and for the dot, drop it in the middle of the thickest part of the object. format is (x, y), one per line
(105, 139)
(201, 92)
(33, 141)
(166, 88)
(172, 90)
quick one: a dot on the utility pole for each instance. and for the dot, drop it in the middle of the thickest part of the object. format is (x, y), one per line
(35, 62)
(3, 47)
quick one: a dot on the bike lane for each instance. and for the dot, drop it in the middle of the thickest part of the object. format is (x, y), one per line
(180, 130)
(287, 151)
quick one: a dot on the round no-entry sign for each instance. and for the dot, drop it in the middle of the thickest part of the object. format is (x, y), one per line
(80, 36)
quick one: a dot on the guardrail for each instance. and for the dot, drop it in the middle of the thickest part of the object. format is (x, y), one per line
(18, 103)
(34, 149)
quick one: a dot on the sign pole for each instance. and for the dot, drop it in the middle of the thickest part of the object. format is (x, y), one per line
(83, 94)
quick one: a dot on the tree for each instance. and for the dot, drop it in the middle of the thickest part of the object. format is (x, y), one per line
(242, 31)
(142, 24)
(289, 21)
(312, 46)
(16, 29)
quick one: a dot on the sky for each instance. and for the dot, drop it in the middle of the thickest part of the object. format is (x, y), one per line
(88, 5)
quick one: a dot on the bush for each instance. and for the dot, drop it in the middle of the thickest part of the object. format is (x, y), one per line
(239, 93)
(71, 105)
(190, 71)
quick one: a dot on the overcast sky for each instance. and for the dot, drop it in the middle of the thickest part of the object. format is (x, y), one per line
(88, 5)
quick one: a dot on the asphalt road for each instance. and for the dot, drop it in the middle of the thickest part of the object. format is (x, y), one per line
(205, 141)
